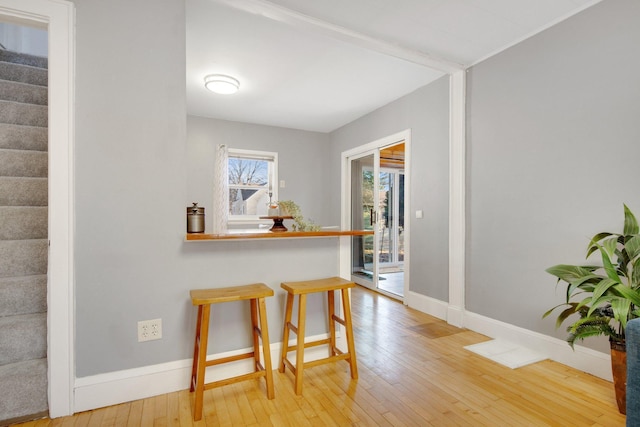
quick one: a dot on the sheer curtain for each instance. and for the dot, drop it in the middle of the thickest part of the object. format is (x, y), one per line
(221, 190)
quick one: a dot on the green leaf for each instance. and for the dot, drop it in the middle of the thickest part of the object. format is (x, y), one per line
(585, 283)
(588, 327)
(621, 309)
(570, 272)
(635, 274)
(584, 303)
(633, 295)
(630, 222)
(564, 314)
(608, 266)
(596, 239)
(602, 301)
(602, 288)
(610, 245)
(632, 247)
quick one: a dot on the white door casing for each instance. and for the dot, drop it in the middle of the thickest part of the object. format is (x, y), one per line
(58, 17)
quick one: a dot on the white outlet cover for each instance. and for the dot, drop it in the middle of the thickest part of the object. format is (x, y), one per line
(149, 330)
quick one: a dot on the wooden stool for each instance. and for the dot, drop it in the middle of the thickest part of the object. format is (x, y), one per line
(203, 298)
(301, 289)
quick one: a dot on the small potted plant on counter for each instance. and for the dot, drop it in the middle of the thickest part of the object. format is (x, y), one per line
(290, 208)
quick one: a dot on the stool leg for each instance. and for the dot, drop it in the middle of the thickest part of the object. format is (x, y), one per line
(332, 325)
(302, 314)
(202, 360)
(285, 333)
(196, 345)
(349, 332)
(266, 349)
(255, 330)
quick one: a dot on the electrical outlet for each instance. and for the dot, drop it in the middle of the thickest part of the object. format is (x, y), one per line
(149, 330)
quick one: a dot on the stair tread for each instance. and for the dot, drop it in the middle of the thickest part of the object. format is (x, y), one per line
(23, 92)
(23, 337)
(29, 376)
(23, 137)
(23, 222)
(23, 295)
(23, 73)
(23, 257)
(24, 58)
(24, 163)
(24, 114)
(26, 191)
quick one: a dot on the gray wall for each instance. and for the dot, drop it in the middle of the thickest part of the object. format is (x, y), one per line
(133, 183)
(426, 113)
(553, 143)
(302, 157)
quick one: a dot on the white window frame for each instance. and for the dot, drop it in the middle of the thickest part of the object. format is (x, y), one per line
(270, 156)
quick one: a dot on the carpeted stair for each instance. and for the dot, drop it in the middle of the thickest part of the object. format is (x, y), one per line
(23, 237)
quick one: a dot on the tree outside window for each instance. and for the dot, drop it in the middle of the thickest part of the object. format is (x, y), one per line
(251, 176)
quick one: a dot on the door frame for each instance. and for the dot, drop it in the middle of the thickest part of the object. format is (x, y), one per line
(58, 17)
(345, 217)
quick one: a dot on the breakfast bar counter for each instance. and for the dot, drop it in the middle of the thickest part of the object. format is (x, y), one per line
(266, 234)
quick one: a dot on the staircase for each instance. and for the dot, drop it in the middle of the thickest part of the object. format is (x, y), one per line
(23, 237)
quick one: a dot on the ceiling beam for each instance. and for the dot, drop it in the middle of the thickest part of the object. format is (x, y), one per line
(314, 25)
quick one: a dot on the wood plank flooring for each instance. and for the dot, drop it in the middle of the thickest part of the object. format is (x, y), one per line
(413, 371)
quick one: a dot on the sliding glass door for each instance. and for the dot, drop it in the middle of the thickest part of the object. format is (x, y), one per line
(377, 204)
(364, 212)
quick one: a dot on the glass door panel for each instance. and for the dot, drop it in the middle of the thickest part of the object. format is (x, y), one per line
(386, 253)
(364, 200)
(390, 228)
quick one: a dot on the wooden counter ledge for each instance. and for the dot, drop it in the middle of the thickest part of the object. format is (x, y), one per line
(266, 234)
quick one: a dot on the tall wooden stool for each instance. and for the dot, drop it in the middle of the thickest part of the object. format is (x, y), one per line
(301, 289)
(203, 298)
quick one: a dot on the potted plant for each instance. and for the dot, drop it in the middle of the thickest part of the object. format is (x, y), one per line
(604, 297)
(290, 208)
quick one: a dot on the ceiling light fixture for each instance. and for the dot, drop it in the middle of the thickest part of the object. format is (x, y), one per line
(220, 83)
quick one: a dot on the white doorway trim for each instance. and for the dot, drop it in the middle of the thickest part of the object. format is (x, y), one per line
(457, 197)
(345, 217)
(58, 17)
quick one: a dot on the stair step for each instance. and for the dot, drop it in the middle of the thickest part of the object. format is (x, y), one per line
(23, 114)
(22, 163)
(23, 337)
(23, 222)
(23, 295)
(24, 59)
(23, 257)
(23, 191)
(20, 137)
(23, 73)
(23, 92)
(30, 378)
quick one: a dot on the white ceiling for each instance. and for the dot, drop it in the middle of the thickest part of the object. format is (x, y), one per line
(318, 65)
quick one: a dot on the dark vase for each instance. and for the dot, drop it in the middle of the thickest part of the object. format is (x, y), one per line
(619, 370)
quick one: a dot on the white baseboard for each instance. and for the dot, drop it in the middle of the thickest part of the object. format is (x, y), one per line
(582, 358)
(428, 305)
(109, 389)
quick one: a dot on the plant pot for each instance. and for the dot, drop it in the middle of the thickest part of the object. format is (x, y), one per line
(619, 370)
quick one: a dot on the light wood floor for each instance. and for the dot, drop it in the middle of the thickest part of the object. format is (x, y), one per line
(413, 371)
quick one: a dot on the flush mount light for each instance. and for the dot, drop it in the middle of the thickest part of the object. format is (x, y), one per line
(220, 83)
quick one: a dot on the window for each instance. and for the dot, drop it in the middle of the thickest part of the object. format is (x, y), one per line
(252, 183)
